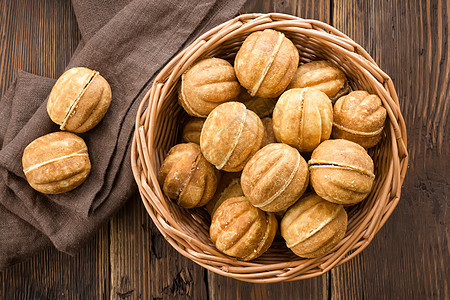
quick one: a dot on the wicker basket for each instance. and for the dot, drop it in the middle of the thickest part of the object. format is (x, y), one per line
(158, 126)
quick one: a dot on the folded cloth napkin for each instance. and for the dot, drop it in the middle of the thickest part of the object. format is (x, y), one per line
(127, 42)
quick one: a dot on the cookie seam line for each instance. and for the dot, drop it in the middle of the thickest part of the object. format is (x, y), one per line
(77, 100)
(288, 182)
(79, 153)
(319, 164)
(356, 132)
(263, 239)
(236, 140)
(315, 230)
(183, 188)
(269, 64)
(301, 119)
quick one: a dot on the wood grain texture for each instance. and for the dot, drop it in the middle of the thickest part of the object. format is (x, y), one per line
(144, 265)
(40, 37)
(409, 257)
(129, 259)
(55, 275)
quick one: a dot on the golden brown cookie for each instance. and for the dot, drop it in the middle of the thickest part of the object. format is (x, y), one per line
(359, 117)
(269, 136)
(56, 163)
(341, 172)
(79, 100)
(230, 136)
(275, 177)
(207, 84)
(241, 230)
(187, 177)
(263, 107)
(192, 130)
(229, 186)
(323, 76)
(313, 226)
(266, 63)
(303, 118)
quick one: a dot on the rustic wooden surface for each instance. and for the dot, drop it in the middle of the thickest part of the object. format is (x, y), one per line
(129, 259)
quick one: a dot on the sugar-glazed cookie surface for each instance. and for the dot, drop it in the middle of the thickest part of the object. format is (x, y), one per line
(192, 130)
(229, 186)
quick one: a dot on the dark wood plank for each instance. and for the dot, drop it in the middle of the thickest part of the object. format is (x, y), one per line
(317, 288)
(39, 37)
(308, 9)
(409, 257)
(55, 275)
(144, 265)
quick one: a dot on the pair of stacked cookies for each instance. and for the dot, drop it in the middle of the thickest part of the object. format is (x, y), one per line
(263, 172)
(59, 162)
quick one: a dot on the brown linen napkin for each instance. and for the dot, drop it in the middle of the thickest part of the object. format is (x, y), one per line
(127, 42)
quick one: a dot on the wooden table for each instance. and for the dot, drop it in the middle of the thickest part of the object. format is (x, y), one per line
(129, 259)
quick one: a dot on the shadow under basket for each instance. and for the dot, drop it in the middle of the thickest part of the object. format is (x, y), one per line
(158, 123)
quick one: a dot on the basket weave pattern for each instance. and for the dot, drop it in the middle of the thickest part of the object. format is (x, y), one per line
(158, 127)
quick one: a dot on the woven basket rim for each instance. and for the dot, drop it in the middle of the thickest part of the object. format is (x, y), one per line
(370, 220)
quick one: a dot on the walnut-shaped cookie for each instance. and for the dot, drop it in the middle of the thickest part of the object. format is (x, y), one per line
(187, 177)
(303, 118)
(275, 177)
(313, 226)
(56, 163)
(359, 117)
(229, 186)
(230, 136)
(192, 130)
(266, 63)
(269, 136)
(323, 76)
(79, 99)
(207, 84)
(263, 107)
(241, 230)
(341, 172)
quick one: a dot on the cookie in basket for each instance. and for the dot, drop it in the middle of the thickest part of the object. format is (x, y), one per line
(207, 84)
(359, 117)
(323, 76)
(303, 118)
(192, 130)
(187, 177)
(341, 172)
(230, 136)
(241, 230)
(229, 186)
(313, 226)
(275, 177)
(266, 63)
